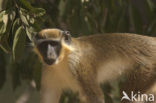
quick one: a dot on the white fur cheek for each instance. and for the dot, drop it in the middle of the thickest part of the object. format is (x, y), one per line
(57, 61)
(69, 47)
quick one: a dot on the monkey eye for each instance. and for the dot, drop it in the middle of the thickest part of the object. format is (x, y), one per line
(53, 43)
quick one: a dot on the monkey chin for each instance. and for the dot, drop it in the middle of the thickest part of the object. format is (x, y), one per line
(51, 62)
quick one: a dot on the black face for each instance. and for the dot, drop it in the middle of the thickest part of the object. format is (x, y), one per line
(49, 50)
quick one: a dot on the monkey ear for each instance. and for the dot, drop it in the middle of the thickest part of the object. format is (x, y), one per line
(67, 37)
(66, 33)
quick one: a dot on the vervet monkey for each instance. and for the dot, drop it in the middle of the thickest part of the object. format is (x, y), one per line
(83, 63)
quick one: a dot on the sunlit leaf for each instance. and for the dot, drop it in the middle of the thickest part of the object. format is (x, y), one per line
(3, 24)
(24, 20)
(29, 34)
(5, 19)
(1, 14)
(32, 20)
(12, 15)
(15, 25)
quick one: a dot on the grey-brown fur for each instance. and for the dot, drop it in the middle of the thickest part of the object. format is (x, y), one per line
(96, 49)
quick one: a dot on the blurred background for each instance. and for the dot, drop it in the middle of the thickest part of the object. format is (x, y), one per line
(20, 68)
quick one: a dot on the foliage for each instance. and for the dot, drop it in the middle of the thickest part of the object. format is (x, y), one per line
(19, 22)
(20, 19)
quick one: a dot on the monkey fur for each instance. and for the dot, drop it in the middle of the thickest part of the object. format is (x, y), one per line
(83, 63)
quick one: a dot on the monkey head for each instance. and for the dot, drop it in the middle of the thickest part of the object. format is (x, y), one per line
(52, 44)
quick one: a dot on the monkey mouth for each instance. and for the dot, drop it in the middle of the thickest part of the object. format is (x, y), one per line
(49, 61)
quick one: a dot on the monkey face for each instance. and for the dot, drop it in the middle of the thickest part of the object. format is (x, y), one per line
(49, 43)
(49, 50)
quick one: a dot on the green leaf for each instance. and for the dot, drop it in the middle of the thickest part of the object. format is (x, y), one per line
(38, 12)
(32, 20)
(3, 24)
(26, 4)
(12, 15)
(1, 14)
(2, 28)
(4, 49)
(15, 25)
(19, 43)
(24, 20)
(28, 17)
(29, 33)
(5, 19)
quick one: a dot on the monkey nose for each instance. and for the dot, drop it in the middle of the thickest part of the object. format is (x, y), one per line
(51, 52)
